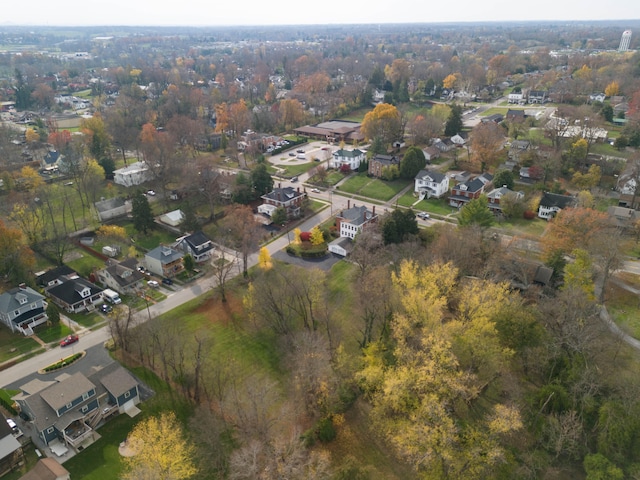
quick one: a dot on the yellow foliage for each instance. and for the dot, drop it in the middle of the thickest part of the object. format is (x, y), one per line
(31, 135)
(264, 259)
(451, 80)
(317, 238)
(161, 451)
(296, 236)
(112, 231)
(612, 89)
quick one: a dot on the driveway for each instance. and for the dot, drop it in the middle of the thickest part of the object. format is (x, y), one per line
(323, 264)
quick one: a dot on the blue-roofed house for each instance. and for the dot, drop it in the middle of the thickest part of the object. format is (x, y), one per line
(198, 245)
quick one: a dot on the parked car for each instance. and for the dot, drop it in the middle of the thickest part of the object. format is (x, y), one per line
(300, 150)
(423, 215)
(315, 190)
(106, 308)
(167, 281)
(151, 193)
(294, 179)
(68, 340)
(292, 154)
(153, 284)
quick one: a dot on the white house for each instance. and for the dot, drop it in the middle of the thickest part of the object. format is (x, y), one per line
(597, 97)
(351, 158)
(431, 184)
(135, 174)
(354, 219)
(552, 203)
(517, 97)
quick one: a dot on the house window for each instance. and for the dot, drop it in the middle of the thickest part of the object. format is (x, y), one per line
(85, 396)
(69, 405)
(127, 394)
(85, 409)
(50, 430)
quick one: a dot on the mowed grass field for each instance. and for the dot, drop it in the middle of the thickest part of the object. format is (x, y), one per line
(374, 188)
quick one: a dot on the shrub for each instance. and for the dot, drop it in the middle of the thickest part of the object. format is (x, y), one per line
(529, 215)
(305, 236)
(325, 431)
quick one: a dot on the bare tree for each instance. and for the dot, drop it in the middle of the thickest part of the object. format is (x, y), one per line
(120, 324)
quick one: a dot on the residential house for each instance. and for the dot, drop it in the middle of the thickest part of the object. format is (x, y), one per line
(289, 198)
(11, 453)
(495, 195)
(69, 408)
(112, 208)
(353, 220)
(378, 163)
(164, 261)
(517, 96)
(458, 140)
(55, 276)
(47, 469)
(463, 193)
(75, 295)
(431, 184)
(22, 309)
(623, 217)
(134, 174)
(431, 153)
(51, 159)
(444, 145)
(515, 115)
(347, 159)
(537, 96)
(517, 148)
(122, 277)
(552, 203)
(198, 245)
(495, 118)
(597, 97)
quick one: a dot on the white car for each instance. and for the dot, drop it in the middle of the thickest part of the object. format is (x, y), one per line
(315, 190)
(151, 193)
(153, 284)
(423, 215)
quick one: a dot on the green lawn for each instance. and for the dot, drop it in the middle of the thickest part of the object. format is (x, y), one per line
(293, 170)
(625, 311)
(521, 226)
(14, 344)
(407, 200)
(375, 188)
(86, 319)
(53, 333)
(439, 206)
(153, 238)
(354, 183)
(86, 264)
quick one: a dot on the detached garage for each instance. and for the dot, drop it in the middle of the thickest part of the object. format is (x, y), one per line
(173, 219)
(341, 246)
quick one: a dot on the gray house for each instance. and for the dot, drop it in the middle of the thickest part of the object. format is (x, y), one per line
(164, 261)
(197, 245)
(112, 208)
(70, 407)
(22, 309)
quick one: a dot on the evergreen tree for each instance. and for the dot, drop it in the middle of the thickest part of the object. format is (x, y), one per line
(412, 162)
(261, 180)
(398, 226)
(141, 213)
(476, 212)
(189, 263)
(454, 122)
(503, 178)
(279, 216)
(53, 313)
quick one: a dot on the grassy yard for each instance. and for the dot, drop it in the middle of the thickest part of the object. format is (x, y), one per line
(150, 241)
(86, 319)
(375, 188)
(439, 206)
(521, 226)
(624, 308)
(52, 333)
(86, 263)
(14, 344)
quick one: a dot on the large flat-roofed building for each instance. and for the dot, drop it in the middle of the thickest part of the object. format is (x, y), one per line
(333, 131)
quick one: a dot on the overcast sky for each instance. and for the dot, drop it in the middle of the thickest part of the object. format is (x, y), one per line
(295, 12)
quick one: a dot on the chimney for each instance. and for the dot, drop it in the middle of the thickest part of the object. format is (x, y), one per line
(348, 204)
(279, 185)
(374, 210)
(298, 189)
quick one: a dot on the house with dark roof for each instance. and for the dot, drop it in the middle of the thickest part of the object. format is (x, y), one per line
(515, 115)
(431, 184)
(198, 245)
(464, 192)
(378, 163)
(70, 407)
(22, 309)
(495, 118)
(552, 203)
(288, 198)
(164, 261)
(347, 159)
(55, 276)
(11, 453)
(537, 96)
(353, 220)
(123, 277)
(47, 469)
(75, 295)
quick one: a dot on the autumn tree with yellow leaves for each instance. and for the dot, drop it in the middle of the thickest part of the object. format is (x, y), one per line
(160, 451)
(383, 122)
